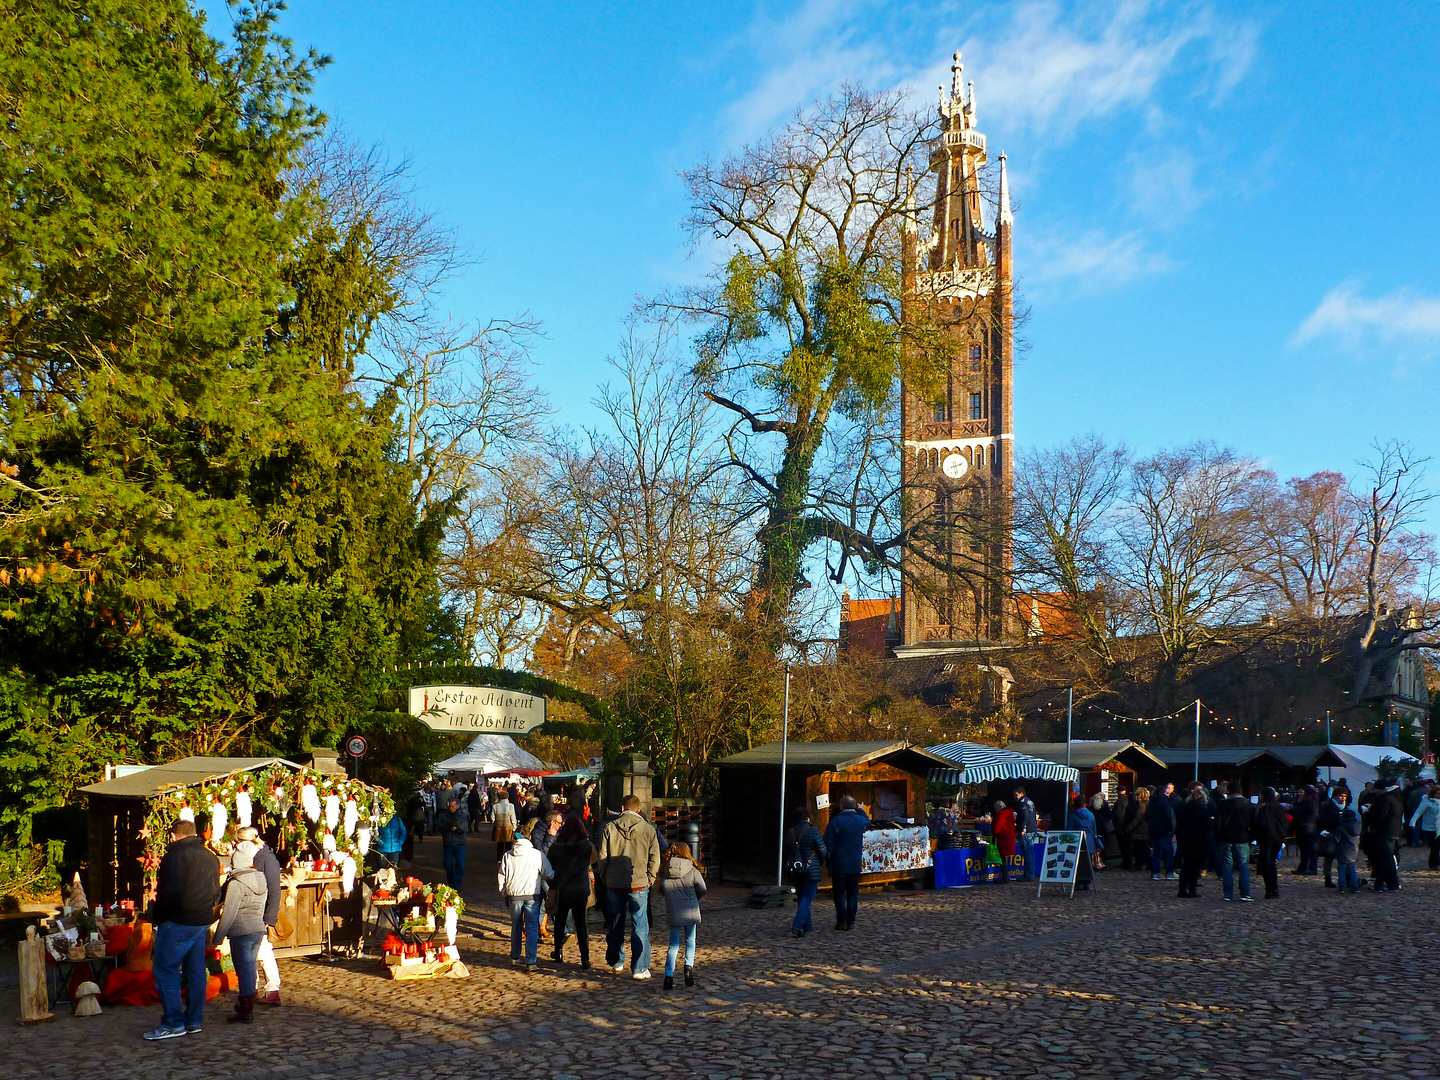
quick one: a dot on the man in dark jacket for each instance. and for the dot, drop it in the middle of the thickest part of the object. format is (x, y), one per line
(1305, 821)
(1232, 834)
(1160, 821)
(187, 887)
(1384, 820)
(1027, 827)
(844, 839)
(452, 824)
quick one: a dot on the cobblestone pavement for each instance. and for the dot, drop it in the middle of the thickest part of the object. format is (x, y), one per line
(1125, 981)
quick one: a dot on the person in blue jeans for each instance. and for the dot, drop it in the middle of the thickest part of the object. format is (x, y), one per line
(629, 863)
(682, 883)
(1347, 843)
(523, 872)
(1160, 819)
(1232, 834)
(452, 824)
(187, 886)
(808, 852)
(844, 840)
(242, 920)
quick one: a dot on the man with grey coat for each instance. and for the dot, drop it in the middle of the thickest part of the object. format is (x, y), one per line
(629, 863)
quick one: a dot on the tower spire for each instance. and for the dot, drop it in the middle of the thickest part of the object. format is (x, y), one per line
(1006, 218)
(957, 72)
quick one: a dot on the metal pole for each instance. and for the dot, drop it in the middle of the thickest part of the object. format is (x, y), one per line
(784, 753)
(1329, 769)
(1069, 716)
(1197, 740)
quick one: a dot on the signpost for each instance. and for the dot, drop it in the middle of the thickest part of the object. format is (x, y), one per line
(478, 709)
(1065, 861)
(356, 746)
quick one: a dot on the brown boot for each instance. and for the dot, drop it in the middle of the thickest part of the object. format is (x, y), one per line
(244, 1010)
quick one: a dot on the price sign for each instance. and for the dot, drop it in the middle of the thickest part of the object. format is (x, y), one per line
(356, 746)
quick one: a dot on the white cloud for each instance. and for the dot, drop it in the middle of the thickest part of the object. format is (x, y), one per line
(1097, 260)
(1163, 186)
(1397, 318)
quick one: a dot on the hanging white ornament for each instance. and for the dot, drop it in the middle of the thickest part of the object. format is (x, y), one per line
(327, 842)
(362, 837)
(186, 814)
(332, 811)
(452, 920)
(310, 800)
(217, 819)
(352, 815)
(347, 874)
(242, 809)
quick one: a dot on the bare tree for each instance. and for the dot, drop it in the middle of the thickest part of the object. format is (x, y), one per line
(1310, 561)
(1065, 502)
(1401, 613)
(1185, 541)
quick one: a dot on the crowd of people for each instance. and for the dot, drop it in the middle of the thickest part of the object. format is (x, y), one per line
(1179, 835)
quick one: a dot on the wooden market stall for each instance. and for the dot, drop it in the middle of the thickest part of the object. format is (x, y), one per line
(1105, 765)
(887, 779)
(315, 822)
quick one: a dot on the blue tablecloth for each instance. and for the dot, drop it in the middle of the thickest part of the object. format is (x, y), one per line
(966, 866)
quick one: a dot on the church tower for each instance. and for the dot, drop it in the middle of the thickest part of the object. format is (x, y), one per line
(958, 433)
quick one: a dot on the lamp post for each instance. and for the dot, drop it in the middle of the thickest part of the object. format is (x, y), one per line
(1069, 718)
(784, 750)
(1197, 740)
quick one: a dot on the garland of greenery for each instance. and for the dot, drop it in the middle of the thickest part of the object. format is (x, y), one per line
(277, 797)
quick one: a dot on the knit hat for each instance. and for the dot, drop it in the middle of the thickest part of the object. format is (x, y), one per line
(243, 857)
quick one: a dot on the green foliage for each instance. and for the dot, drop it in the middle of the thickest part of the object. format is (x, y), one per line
(207, 544)
(401, 751)
(28, 872)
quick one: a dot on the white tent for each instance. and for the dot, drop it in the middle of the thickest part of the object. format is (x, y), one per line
(490, 754)
(1361, 761)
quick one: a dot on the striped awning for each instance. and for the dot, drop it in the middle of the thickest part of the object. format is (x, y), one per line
(979, 764)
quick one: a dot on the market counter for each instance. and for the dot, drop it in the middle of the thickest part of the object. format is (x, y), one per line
(306, 904)
(959, 867)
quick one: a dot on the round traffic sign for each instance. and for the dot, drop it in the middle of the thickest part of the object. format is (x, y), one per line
(355, 745)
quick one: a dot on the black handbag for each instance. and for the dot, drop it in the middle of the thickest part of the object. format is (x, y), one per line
(1326, 846)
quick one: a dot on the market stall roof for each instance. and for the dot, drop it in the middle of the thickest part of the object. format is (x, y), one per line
(1084, 753)
(975, 763)
(1232, 756)
(493, 754)
(838, 756)
(575, 776)
(187, 772)
(1304, 757)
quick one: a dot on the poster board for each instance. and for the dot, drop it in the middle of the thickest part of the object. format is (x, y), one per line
(1065, 861)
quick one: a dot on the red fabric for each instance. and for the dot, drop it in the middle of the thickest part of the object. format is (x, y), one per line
(130, 988)
(117, 938)
(1004, 829)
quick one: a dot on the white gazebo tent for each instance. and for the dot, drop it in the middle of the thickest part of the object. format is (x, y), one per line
(1361, 762)
(490, 755)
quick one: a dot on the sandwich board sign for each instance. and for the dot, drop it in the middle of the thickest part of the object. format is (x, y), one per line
(1065, 861)
(479, 709)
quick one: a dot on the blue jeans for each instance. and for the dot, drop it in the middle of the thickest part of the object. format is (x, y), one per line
(1162, 850)
(526, 913)
(1025, 848)
(804, 897)
(620, 901)
(678, 934)
(1348, 878)
(181, 948)
(454, 865)
(1232, 857)
(244, 950)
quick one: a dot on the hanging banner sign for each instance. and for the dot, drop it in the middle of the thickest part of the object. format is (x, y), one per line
(1065, 861)
(476, 708)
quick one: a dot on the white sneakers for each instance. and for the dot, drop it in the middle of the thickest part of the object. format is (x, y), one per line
(643, 974)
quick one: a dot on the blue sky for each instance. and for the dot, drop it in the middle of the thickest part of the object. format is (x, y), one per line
(1227, 223)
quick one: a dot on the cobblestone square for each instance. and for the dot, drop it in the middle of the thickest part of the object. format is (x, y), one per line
(1125, 981)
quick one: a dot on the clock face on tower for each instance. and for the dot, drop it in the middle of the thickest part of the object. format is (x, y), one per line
(954, 466)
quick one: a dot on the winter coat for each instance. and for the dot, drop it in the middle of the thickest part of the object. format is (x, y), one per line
(1347, 836)
(809, 850)
(1120, 813)
(242, 904)
(541, 836)
(1328, 816)
(1193, 828)
(502, 817)
(844, 840)
(269, 865)
(1026, 820)
(187, 884)
(415, 810)
(1160, 817)
(571, 862)
(391, 837)
(1082, 820)
(1427, 815)
(629, 853)
(1270, 825)
(1135, 825)
(452, 827)
(1385, 814)
(683, 886)
(1003, 828)
(522, 871)
(1305, 816)
(1237, 820)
